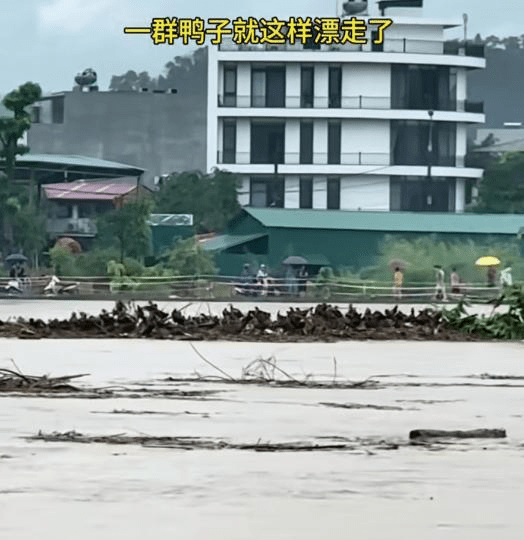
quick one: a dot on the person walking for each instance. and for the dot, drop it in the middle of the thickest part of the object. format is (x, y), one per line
(492, 276)
(262, 280)
(440, 288)
(454, 281)
(506, 280)
(398, 279)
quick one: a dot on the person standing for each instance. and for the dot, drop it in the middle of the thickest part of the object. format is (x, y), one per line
(398, 280)
(454, 280)
(492, 276)
(506, 280)
(302, 275)
(440, 288)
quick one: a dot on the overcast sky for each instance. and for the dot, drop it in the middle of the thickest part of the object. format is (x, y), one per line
(49, 41)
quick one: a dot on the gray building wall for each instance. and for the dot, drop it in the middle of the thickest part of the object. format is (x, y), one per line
(160, 132)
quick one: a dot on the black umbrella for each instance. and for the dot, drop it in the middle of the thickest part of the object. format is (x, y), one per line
(294, 260)
(16, 257)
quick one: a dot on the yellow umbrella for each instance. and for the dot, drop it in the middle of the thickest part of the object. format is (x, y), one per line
(487, 261)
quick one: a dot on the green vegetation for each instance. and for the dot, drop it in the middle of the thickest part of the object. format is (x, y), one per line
(507, 325)
(127, 229)
(211, 198)
(14, 211)
(188, 258)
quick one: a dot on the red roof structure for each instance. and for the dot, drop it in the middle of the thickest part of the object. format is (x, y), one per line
(81, 190)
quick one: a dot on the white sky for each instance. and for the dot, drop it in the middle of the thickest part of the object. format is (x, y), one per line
(50, 41)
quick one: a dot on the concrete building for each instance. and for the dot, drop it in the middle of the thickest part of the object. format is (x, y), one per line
(160, 132)
(347, 126)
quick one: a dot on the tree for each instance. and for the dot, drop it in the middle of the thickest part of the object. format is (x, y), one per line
(501, 189)
(127, 228)
(188, 258)
(11, 130)
(211, 198)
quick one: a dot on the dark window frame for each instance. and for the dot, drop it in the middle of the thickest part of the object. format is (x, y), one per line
(334, 142)
(333, 193)
(306, 192)
(335, 87)
(274, 191)
(230, 96)
(307, 95)
(271, 99)
(306, 142)
(229, 141)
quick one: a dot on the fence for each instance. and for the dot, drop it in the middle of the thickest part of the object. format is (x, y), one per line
(231, 287)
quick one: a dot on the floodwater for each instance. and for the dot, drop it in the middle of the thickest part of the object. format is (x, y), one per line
(470, 489)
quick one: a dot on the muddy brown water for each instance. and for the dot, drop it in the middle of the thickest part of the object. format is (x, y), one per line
(469, 489)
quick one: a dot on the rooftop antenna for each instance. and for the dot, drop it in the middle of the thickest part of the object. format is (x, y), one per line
(465, 18)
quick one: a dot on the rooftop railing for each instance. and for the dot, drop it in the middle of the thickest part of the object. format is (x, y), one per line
(389, 45)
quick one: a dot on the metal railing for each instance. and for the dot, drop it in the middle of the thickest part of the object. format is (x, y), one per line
(319, 158)
(389, 45)
(228, 287)
(347, 102)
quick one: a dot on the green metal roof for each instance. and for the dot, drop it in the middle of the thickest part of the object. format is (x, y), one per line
(71, 161)
(388, 221)
(225, 241)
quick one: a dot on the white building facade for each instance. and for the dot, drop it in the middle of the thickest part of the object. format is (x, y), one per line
(346, 126)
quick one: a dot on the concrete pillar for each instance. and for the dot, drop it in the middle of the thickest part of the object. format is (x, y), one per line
(292, 141)
(243, 140)
(320, 142)
(320, 192)
(460, 195)
(293, 85)
(292, 192)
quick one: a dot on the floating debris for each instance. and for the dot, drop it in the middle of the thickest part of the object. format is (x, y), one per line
(321, 323)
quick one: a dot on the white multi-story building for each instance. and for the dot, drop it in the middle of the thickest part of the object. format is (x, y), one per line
(347, 126)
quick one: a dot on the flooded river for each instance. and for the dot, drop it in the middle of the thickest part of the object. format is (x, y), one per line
(375, 491)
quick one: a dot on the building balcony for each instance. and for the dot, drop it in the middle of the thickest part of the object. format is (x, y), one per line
(71, 226)
(379, 159)
(381, 103)
(392, 45)
(294, 158)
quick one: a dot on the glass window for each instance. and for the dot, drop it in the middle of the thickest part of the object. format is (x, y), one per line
(229, 141)
(306, 193)
(306, 86)
(63, 211)
(267, 142)
(334, 143)
(335, 86)
(420, 194)
(268, 87)
(306, 142)
(57, 110)
(267, 192)
(230, 86)
(333, 193)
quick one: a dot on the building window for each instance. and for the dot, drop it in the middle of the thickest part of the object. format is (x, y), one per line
(267, 192)
(267, 142)
(35, 114)
(307, 87)
(335, 86)
(422, 87)
(377, 47)
(334, 143)
(57, 110)
(410, 138)
(229, 141)
(306, 142)
(63, 211)
(306, 193)
(268, 87)
(230, 86)
(419, 194)
(333, 193)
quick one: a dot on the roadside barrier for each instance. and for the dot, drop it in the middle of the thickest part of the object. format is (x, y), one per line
(232, 287)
